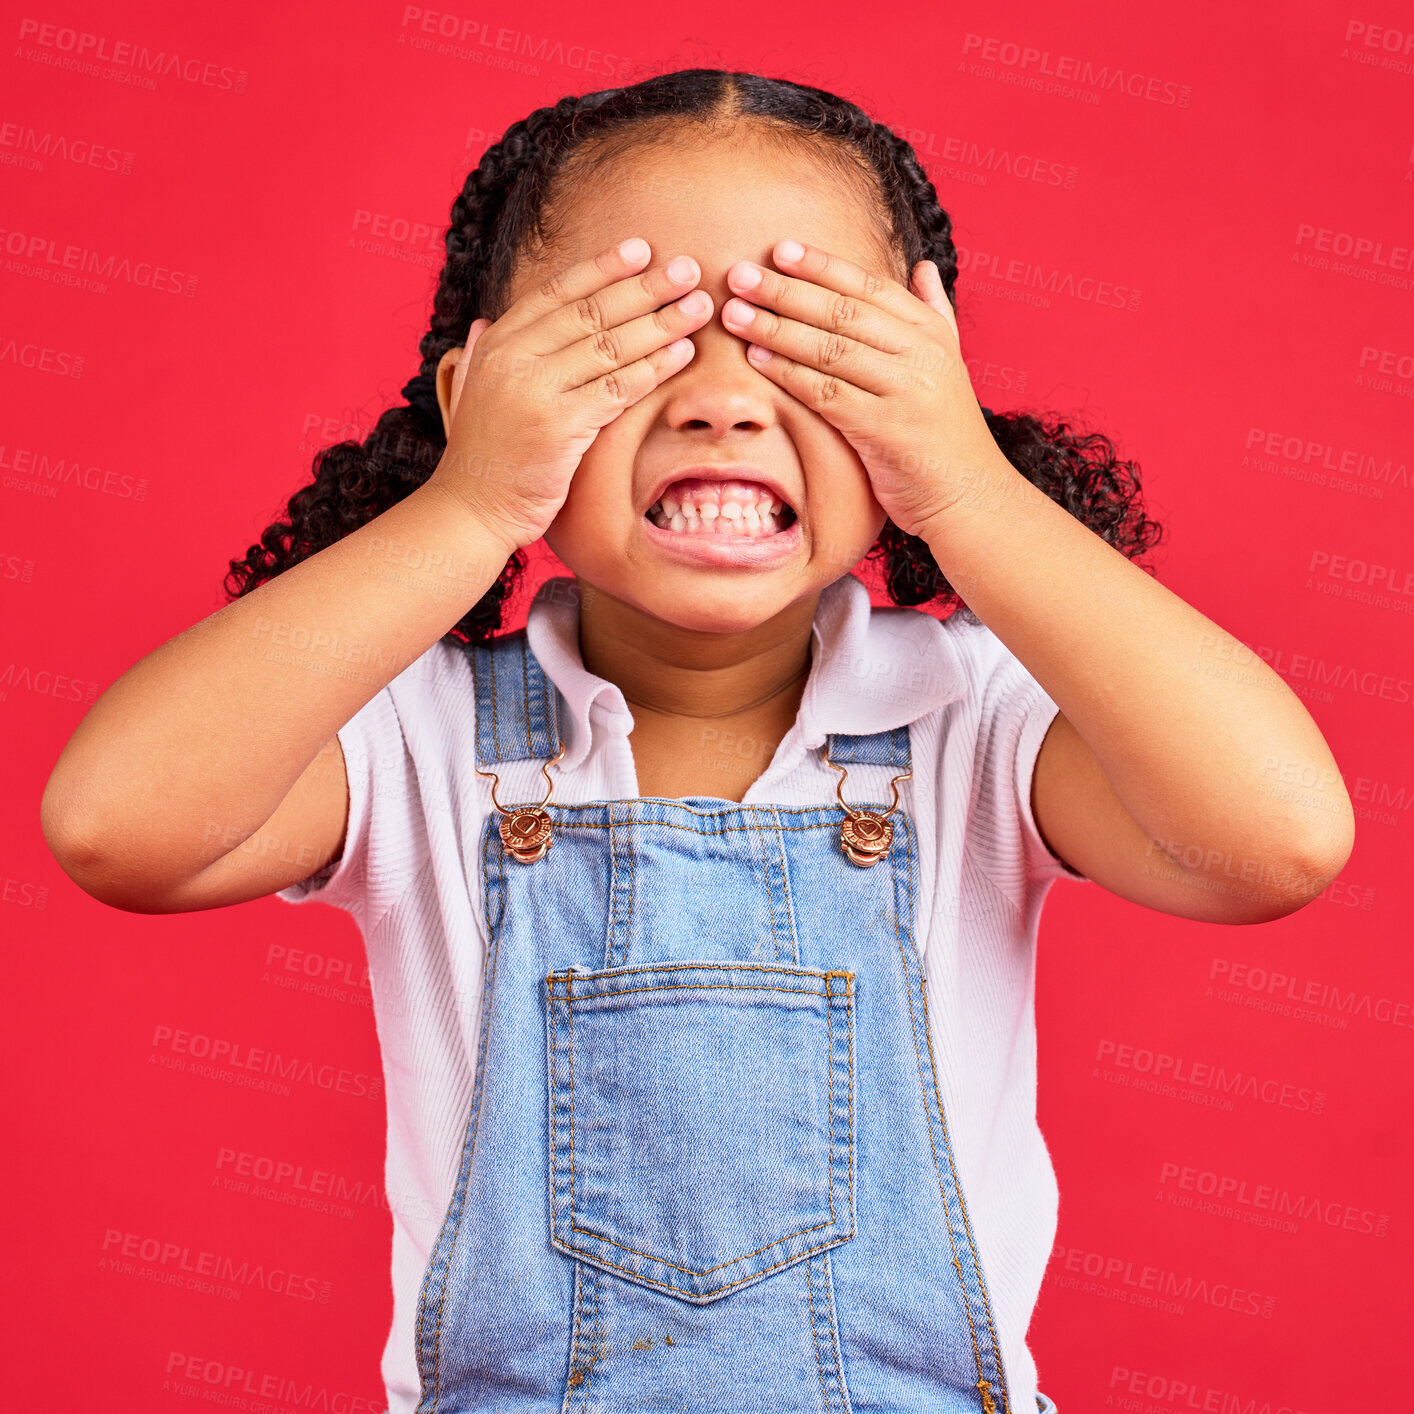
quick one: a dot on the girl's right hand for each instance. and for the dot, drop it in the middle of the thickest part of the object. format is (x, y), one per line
(531, 390)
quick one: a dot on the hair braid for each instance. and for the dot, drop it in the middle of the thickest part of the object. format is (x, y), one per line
(498, 218)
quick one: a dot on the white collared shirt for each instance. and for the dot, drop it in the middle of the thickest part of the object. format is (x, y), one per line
(977, 719)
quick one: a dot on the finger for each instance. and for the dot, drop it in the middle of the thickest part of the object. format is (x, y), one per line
(615, 348)
(829, 354)
(478, 328)
(932, 293)
(580, 279)
(841, 311)
(620, 388)
(825, 393)
(601, 294)
(834, 272)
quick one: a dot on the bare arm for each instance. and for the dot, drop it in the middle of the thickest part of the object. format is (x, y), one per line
(1181, 772)
(225, 736)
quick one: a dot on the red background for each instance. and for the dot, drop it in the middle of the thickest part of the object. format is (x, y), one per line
(1260, 368)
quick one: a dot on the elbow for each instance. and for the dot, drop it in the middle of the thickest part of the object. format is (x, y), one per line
(1315, 868)
(80, 849)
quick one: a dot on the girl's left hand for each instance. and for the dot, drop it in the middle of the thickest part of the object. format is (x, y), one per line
(882, 364)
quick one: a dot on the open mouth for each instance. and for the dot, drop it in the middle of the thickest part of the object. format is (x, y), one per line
(743, 510)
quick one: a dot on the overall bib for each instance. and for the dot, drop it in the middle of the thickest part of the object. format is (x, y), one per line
(706, 1165)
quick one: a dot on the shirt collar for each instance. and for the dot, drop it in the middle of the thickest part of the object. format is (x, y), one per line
(872, 669)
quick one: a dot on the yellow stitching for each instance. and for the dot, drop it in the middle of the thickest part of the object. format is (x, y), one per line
(962, 1201)
(918, 1059)
(684, 965)
(815, 1339)
(554, 1090)
(490, 993)
(851, 1115)
(594, 1342)
(834, 1334)
(957, 1182)
(669, 825)
(693, 1271)
(753, 1276)
(830, 1088)
(576, 1375)
(703, 987)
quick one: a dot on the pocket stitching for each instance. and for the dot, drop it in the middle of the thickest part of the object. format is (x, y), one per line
(829, 998)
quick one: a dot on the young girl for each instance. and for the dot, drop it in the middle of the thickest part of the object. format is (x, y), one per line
(701, 911)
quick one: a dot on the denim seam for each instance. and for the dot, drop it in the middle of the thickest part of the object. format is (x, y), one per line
(687, 965)
(595, 1342)
(611, 932)
(770, 893)
(450, 1229)
(830, 1092)
(632, 891)
(785, 884)
(698, 987)
(962, 1203)
(957, 1187)
(932, 1142)
(755, 1276)
(843, 1390)
(669, 825)
(815, 1336)
(575, 1375)
(495, 702)
(830, 998)
(527, 717)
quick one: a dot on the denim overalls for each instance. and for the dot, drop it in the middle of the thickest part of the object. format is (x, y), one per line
(705, 1166)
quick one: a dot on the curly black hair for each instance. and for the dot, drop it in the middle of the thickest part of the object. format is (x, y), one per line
(501, 212)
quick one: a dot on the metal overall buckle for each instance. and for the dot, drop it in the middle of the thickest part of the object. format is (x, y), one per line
(865, 835)
(526, 831)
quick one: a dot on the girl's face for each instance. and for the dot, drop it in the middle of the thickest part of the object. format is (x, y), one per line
(719, 202)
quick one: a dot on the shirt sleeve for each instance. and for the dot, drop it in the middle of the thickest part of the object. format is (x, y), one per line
(378, 856)
(1013, 716)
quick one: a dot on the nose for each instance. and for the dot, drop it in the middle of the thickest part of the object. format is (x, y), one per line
(719, 391)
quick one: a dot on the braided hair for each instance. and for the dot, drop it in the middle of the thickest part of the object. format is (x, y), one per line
(501, 213)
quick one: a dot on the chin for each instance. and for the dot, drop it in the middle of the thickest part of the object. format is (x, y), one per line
(732, 606)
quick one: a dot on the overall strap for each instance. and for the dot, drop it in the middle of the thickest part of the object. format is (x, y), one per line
(886, 748)
(517, 708)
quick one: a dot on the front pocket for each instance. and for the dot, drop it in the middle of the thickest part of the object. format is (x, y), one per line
(701, 1120)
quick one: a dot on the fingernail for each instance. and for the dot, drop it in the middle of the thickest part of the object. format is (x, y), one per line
(634, 249)
(738, 311)
(746, 277)
(790, 250)
(757, 354)
(683, 268)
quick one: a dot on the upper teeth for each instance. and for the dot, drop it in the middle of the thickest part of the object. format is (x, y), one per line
(738, 507)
